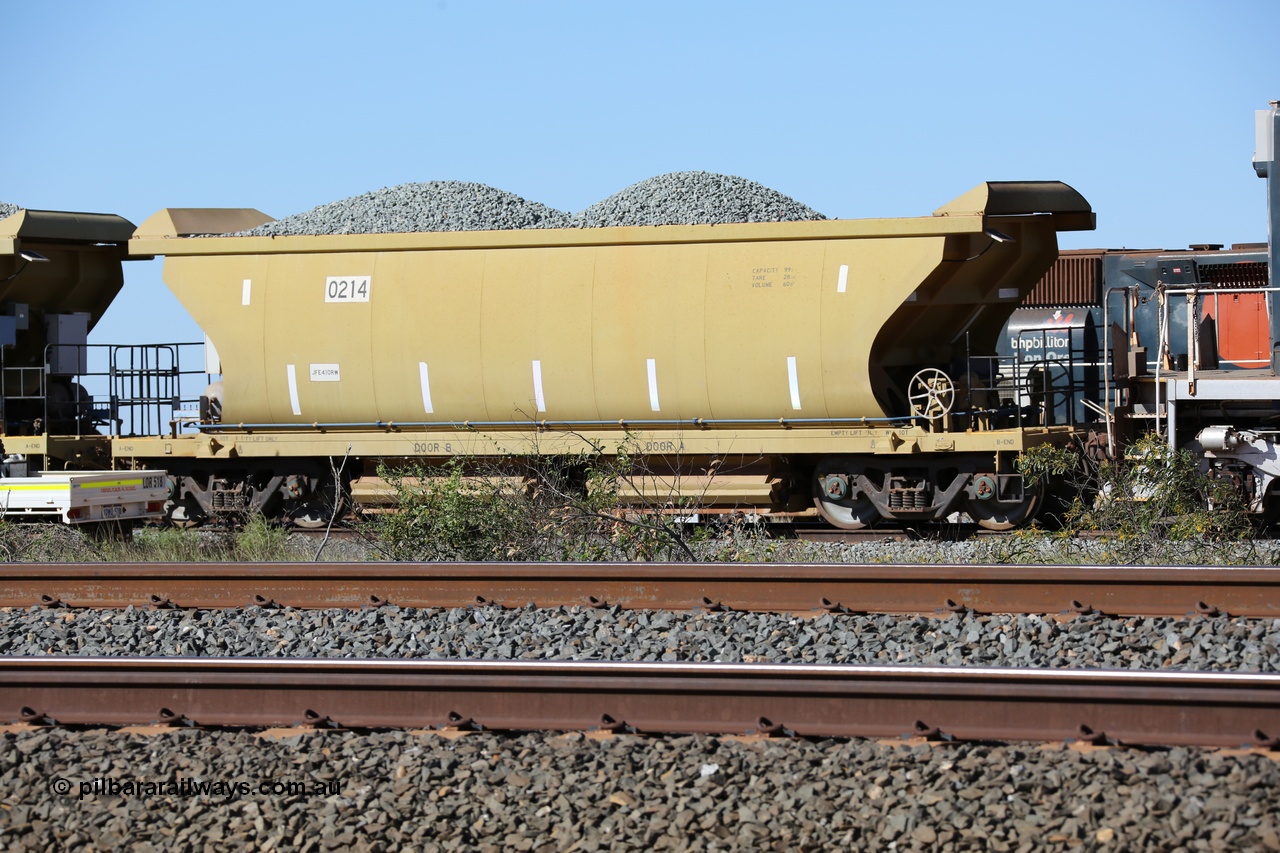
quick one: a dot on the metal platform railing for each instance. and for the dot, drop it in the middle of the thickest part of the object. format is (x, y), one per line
(125, 390)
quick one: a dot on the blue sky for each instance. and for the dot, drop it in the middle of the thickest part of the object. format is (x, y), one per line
(856, 109)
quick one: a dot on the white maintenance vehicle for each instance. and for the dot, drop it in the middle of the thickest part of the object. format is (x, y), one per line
(81, 497)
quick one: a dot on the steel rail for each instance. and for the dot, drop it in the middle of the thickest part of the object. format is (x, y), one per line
(1166, 708)
(774, 587)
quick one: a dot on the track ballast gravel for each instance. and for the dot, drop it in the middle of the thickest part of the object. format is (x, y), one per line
(543, 791)
(398, 790)
(582, 633)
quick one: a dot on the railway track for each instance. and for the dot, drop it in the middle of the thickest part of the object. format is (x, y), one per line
(933, 532)
(937, 532)
(769, 587)
(971, 703)
(1113, 706)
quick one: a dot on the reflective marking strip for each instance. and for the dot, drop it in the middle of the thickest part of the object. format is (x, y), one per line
(244, 294)
(426, 387)
(844, 278)
(41, 487)
(794, 381)
(212, 363)
(653, 383)
(293, 391)
(44, 487)
(537, 387)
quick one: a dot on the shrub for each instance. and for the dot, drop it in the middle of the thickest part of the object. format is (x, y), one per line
(527, 508)
(1150, 496)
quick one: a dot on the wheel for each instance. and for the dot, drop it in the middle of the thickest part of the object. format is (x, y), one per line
(832, 496)
(185, 514)
(932, 393)
(848, 515)
(318, 510)
(996, 514)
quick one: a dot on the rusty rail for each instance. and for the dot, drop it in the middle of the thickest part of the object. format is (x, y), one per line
(777, 587)
(1167, 708)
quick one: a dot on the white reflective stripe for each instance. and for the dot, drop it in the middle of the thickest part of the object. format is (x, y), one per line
(537, 386)
(293, 390)
(794, 382)
(844, 278)
(653, 383)
(426, 387)
(212, 363)
(244, 293)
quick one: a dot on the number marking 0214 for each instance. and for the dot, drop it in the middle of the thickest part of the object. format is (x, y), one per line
(349, 288)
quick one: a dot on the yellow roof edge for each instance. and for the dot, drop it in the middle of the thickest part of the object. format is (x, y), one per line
(923, 226)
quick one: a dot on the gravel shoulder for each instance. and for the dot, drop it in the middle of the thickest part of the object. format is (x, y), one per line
(581, 633)
(400, 790)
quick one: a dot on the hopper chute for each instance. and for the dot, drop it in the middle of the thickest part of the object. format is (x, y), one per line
(59, 272)
(960, 307)
(82, 273)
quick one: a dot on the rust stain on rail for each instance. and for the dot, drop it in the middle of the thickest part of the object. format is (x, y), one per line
(971, 703)
(776, 587)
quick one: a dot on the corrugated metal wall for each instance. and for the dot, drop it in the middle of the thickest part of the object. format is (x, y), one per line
(1074, 279)
(1241, 274)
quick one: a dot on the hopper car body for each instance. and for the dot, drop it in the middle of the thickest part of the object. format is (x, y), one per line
(754, 367)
